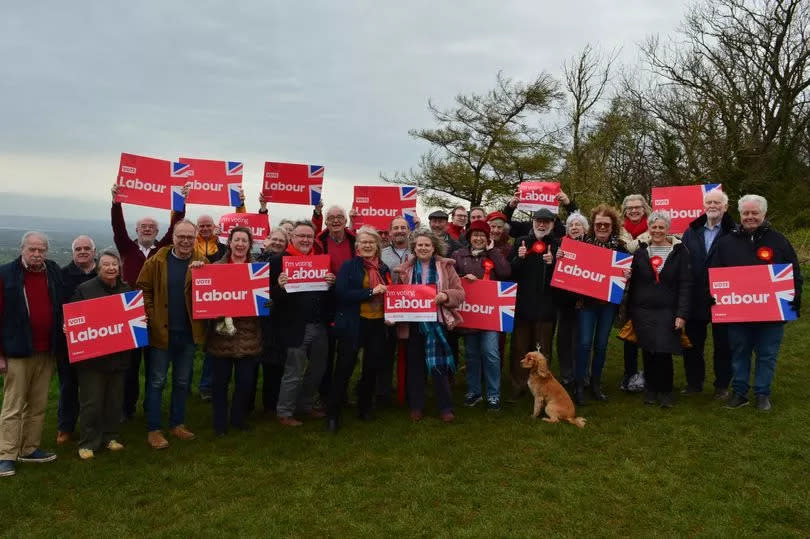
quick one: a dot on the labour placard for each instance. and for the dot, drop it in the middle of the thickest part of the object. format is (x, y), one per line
(291, 183)
(231, 290)
(488, 305)
(216, 183)
(683, 203)
(590, 270)
(306, 273)
(410, 303)
(376, 205)
(533, 196)
(258, 223)
(101, 326)
(752, 293)
(156, 183)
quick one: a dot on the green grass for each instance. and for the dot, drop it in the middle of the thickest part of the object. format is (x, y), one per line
(635, 470)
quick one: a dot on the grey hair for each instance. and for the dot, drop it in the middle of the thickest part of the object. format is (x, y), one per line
(439, 245)
(142, 219)
(34, 234)
(110, 251)
(286, 221)
(82, 237)
(371, 231)
(659, 215)
(636, 196)
(305, 222)
(335, 207)
(576, 216)
(763, 204)
(185, 222)
(723, 195)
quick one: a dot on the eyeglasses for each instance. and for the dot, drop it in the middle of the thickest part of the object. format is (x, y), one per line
(304, 236)
(184, 237)
(634, 208)
(335, 218)
(602, 225)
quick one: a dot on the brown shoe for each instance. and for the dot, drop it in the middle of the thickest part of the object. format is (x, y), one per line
(289, 422)
(63, 437)
(416, 415)
(317, 413)
(181, 432)
(156, 440)
(447, 417)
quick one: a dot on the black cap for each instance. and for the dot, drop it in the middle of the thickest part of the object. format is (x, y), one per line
(438, 214)
(543, 213)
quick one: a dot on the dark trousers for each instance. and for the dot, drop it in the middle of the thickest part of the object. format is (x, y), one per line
(694, 363)
(68, 411)
(372, 338)
(658, 372)
(132, 379)
(244, 381)
(631, 359)
(100, 398)
(567, 342)
(385, 376)
(271, 384)
(326, 381)
(417, 374)
(525, 338)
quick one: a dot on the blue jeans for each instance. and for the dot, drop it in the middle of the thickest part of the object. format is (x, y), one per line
(181, 358)
(481, 350)
(764, 340)
(207, 376)
(595, 323)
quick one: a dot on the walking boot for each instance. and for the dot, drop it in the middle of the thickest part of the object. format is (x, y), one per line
(579, 393)
(596, 389)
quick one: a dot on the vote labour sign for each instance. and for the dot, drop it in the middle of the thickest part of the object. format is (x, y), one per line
(533, 196)
(231, 290)
(258, 223)
(752, 293)
(410, 303)
(214, 182)
(590, 270)
(306, 273)
(376, 205)
(683, 203)
(488, 305)
(146, 181)
(290, 183)
(101, 326)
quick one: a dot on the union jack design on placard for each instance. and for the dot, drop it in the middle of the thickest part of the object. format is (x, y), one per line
(180, 170)
(711, 187)
(233, 194)
(233, 168)
(138, 327)
(315, 194)
(782, 277)
(316, 171)
(621, 261)
(507, 290)
(259, 270)
(261, 296)
(407, 193)
(488, 305)
(178, 200)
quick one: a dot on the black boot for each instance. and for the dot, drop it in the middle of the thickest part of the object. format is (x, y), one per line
(579, 392)
(332, 425)
(596, 389)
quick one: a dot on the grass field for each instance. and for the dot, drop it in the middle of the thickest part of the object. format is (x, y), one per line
(635, 470)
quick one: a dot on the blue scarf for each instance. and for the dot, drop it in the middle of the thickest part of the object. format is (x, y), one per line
(438, 354)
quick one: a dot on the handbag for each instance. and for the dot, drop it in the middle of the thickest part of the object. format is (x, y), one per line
(627, 332)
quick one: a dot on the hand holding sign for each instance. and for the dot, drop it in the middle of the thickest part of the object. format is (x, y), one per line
(470, 277)
(377, 290)
(441, 297)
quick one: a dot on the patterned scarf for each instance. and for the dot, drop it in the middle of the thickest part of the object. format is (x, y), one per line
(372, 267)
(438, 354)
(635, 228)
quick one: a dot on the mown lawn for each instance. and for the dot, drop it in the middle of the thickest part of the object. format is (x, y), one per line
(697, 469)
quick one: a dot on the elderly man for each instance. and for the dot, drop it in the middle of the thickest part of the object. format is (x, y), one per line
(754, 242)
(518, 229)
(173, 334)
(439, 225)
(532, 264)
(303, 331)
(133, 255)
(31, 327)
(701, 240)
(82, 268)
(207, 243)
(499, 232)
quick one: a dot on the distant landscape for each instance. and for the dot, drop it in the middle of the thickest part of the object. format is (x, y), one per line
(60, 232)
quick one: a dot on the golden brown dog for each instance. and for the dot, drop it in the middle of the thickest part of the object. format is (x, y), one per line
(548, 391)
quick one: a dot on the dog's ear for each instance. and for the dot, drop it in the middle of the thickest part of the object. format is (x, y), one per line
(542, 367)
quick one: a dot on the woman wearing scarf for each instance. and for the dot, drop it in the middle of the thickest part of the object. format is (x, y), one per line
(428, 349)
(101, 380)
(660, 294)
(635, 211)
(482, 260)
(360, 289)
(234, 346)
(595, 317)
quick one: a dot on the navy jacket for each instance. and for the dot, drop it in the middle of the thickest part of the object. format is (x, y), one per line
(16, 326)
(350, 294)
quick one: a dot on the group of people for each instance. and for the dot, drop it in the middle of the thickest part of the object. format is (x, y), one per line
(310, 344)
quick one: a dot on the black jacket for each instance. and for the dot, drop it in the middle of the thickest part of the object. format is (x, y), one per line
(533, 276)
(350, 293)
(699, 260)
(653, 306)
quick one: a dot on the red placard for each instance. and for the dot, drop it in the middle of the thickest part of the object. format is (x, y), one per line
(258, 223)
(216, 183)
(683, 203)
(488, 305)
(231, 290)
(376, 205)
(291, 183)
(156, 183)
(752, 293)
(411, 303)
(101, 326)
(306, 273)
(590, 270)
(533, 196)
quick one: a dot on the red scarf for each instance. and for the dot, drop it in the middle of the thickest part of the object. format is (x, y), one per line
(291, 250)
(635, 228)
(372, 268)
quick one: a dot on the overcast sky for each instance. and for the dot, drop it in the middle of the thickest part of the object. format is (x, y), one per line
(331, 83)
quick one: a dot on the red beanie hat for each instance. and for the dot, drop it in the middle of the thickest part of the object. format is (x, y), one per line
(480, 226)
(497, 215)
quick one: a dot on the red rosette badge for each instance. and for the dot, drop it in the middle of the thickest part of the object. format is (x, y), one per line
(765, 254)
(539, 247)
(656, 263)
(488, 265)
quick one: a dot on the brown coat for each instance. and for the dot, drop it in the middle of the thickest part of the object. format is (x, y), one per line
(153, 280)
(449, 283)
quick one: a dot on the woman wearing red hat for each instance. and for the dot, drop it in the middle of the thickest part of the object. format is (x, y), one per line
(482, 260)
